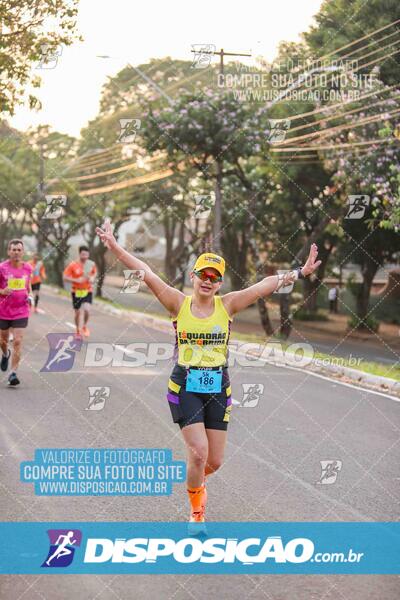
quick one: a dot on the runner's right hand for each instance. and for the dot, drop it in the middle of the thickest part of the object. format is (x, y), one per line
(6, 291)
(106, 235)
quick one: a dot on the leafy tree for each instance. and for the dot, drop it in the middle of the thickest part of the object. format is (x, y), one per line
(27, 38)
(372, 170)
(334, 28)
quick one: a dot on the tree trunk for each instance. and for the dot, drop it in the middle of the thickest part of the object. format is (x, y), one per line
(392, 287)
(264, 316)
(169, 262)
(369, 270)
(218, 208)
(285, 319)
(180, 257)
(312, 284)
(260, 268)
(59, 261)
(99, 257)
(236, 249)
(310, 288)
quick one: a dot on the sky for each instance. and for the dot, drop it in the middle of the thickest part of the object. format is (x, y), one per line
(134, 32)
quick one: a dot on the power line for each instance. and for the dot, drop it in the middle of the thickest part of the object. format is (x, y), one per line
(339, 116)
(359, 40)
(343, 127)
(329, 147)
(316, 85)
(396, 32)
(126, 183)
(329, 107)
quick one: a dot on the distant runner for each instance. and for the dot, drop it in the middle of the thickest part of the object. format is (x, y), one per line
(38, 276)
(15, 300)
(199, 391)
(82, 274)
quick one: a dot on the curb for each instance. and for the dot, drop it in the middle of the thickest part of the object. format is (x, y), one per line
(279, 358)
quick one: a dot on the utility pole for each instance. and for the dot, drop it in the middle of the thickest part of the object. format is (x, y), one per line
(219, 168)
(219, 162)
(221, 55)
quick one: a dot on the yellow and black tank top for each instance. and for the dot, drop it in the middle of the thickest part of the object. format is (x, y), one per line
(202, 342)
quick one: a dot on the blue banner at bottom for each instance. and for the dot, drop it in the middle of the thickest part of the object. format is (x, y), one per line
(178, 548)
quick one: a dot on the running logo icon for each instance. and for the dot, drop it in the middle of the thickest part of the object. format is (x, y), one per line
(97, 397)
(49, 56)
(204, 203)
(329, 471)
(278, 130)
(202, 55)
(132, 281)
(55, 206)
(357, 206)
(251, 395)
(129, 129)
(284, 289)
(63, 347)
(62, 547)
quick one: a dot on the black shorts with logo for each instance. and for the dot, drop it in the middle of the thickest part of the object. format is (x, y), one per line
(77, 302)
(212, 409)
(36, 286)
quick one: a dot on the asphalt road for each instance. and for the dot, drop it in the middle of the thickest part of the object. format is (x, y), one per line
(271, 468)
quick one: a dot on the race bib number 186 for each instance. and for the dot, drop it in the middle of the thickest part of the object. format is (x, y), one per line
(204, 381)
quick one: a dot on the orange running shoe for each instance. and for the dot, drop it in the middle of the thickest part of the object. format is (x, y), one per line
(78, 334)
(85, 331)
(197, 517)
(197, 524)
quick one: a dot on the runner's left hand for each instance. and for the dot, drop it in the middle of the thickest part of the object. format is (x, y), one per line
(106, 235)
(312, 263)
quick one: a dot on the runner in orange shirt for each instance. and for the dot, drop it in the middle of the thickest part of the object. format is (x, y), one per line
(38, 275)
(82, 274)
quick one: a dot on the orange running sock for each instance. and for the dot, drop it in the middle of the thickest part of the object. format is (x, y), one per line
(195, 497)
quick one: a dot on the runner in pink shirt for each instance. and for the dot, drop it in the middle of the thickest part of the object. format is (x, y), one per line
(15, 300)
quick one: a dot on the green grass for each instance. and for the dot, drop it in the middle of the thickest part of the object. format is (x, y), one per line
(373, 368)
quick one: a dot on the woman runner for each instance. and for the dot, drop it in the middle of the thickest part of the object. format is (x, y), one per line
(199, 392)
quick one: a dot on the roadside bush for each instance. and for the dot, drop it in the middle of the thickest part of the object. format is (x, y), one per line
(369, 324)
(304, 315)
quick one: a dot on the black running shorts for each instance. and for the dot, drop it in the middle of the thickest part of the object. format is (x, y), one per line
(78, 301)
(16, 323)
(191, 407)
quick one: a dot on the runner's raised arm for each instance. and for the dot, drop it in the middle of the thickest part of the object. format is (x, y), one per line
(234, 302)
(170, 297)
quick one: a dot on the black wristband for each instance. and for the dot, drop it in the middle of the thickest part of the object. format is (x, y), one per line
(301, 276)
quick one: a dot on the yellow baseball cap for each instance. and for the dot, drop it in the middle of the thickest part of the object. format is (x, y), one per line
(209, 260)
